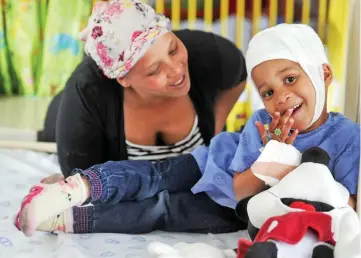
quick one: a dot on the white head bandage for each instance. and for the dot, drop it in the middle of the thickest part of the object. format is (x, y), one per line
(295, 42)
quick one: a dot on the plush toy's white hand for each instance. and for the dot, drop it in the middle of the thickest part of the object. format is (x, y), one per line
(162, 250)
(347, 233)
(185, 250)
(276, 160)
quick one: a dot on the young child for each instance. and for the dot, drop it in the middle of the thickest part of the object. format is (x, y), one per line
(289, 67)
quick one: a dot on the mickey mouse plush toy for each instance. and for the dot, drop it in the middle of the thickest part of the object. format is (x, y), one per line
(304, 215)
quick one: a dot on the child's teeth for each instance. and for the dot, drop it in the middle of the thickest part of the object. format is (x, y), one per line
(178, 82)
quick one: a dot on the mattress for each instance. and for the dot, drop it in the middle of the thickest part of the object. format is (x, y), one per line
(20, 169)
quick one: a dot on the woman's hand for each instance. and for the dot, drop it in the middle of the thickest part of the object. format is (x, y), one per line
(279, 129)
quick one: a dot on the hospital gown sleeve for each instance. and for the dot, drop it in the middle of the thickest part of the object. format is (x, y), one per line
(347, 165)
(226, 154)
(250, 143)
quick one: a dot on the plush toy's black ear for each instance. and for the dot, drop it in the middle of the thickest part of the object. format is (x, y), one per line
(322, 251)
(262, 250)
(241, 210)
(316, 155)
(252, 230)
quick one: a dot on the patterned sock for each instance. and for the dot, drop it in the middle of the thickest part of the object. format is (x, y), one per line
(47, 200)
(276, 160)
(62, 222)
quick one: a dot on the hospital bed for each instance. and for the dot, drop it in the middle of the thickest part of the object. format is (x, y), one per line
(25, 164)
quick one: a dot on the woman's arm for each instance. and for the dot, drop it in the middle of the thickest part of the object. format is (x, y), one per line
(79, 136)
(224, 104)
(233, 79)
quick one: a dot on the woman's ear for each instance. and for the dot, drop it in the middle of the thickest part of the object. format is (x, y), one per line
(124, 82)
(328, 75)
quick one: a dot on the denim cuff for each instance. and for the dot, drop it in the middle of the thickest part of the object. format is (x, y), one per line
(83, 219)
(94, 179)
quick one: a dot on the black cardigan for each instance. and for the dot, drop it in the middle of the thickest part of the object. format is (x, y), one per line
(89, 120)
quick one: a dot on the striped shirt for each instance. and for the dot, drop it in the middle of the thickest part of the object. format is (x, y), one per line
(155, 153)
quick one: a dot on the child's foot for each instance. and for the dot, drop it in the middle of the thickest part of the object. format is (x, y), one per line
(47, 200)
(62, 222)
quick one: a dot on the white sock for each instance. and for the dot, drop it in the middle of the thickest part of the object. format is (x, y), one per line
(62, 222)
(45, 201)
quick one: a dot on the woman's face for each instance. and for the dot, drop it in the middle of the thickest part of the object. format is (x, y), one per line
(162, 71)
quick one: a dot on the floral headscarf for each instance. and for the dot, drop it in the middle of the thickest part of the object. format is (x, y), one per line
(119, 32)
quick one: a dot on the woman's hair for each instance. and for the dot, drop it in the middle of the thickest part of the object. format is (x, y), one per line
(119, 32)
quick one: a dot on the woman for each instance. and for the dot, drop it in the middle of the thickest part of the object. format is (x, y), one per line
(143, 92)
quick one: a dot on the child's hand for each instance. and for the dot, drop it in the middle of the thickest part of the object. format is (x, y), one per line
(279, 129)
(52, 179)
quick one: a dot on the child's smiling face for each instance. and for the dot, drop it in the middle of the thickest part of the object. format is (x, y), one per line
(283, 84)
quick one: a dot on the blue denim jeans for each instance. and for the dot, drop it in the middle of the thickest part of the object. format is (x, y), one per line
(139, 197)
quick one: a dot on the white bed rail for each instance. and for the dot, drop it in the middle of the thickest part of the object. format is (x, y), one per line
(28, 145)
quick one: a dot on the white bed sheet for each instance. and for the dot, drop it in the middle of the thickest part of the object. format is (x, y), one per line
(19, 169)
